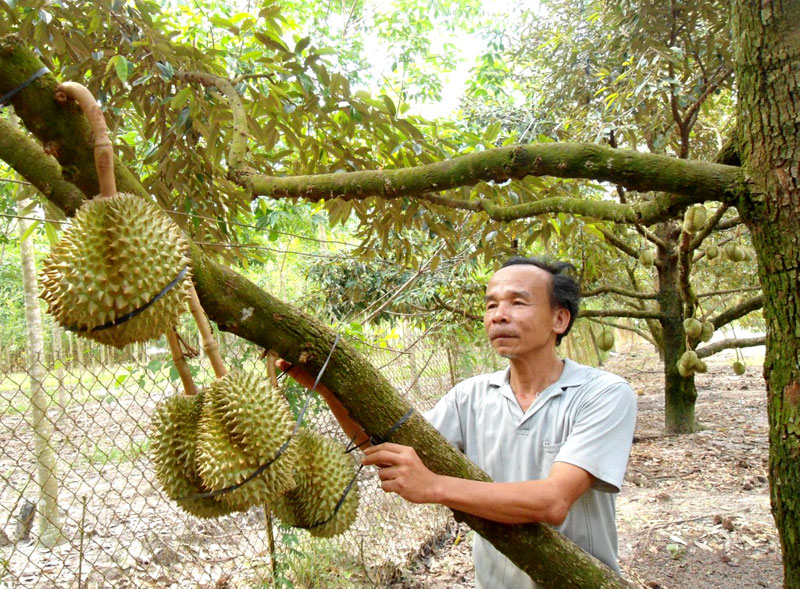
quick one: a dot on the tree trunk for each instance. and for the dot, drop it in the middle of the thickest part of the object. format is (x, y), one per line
(680, 393)
(58, 371)
(49, 524)
(768, 75)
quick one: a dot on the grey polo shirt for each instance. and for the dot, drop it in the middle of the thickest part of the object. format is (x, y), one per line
(586, 418)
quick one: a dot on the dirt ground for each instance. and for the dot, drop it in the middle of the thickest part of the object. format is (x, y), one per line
(694, 512)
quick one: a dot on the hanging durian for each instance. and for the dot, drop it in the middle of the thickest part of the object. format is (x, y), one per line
(605, 341)
(120, 272)
(172, 449)
(322, 471)
(243, 426)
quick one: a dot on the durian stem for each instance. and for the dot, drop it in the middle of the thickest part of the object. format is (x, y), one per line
(103, 150)
(210, 345)
(180, 362)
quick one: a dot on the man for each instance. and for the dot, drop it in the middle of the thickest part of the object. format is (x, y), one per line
(554, 435)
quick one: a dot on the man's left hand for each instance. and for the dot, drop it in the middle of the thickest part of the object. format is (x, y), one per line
(401, 471)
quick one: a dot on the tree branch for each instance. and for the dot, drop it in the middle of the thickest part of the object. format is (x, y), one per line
(618, 243)
(29, 160)
(726, 344)
(738, 311)
(634, 313)
(687, 181)
(620, 291)
(642, 334)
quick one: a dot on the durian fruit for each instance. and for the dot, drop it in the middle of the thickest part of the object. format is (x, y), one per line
(707, 331)
(692, 327)
(689, 363)
(117, 255)
(605, 341)
(322, 472)
(694, 219)
(739, 368)
(647, 258)
(243, 425)
(712, 251)
(734, 253)
(172, 450)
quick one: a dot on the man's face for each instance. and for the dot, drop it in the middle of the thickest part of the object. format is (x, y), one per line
(519, 318)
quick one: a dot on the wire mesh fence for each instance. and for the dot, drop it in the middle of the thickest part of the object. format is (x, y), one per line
(80, 506)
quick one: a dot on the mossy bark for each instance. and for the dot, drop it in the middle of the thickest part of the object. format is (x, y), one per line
(240, 307)
(680, 392)
(768, 114)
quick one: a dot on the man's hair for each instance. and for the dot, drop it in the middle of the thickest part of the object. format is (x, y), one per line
(565, 292)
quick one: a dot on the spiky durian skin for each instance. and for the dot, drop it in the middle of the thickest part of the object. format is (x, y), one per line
(222, 463)
(172, 450)
(322, 471)
(116, 256)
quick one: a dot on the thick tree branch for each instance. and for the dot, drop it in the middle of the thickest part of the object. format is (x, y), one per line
(715, 293)
(738, 311)
(685, 181)
(29, 160)
(716, 347)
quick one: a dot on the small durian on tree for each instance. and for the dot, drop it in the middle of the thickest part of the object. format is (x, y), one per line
(120, 272)
(693, 327)
(322, 471)
(647, 258)
(707, 331)
(712, 251)
(739, 368)
(734, 252)
(689, 363)
(605, 341)
(694, 219)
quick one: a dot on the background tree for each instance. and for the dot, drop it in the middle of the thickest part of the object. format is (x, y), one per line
(768, 46)
(649, 76)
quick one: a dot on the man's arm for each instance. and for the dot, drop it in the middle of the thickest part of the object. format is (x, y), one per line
(548, 500)
(351, 429)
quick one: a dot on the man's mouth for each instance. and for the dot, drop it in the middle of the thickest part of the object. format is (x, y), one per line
(495, 336)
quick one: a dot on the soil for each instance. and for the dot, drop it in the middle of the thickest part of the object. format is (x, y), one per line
(695, 510)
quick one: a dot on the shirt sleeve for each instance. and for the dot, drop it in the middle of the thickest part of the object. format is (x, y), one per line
(602, 434)
(445, 417)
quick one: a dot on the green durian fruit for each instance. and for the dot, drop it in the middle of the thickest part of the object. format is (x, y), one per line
(700, 367)
(172, 450)
(647, 258)
(695, 218)
(322, 472)
(692, 327)
(687, 363)
(117, 255)
(712, 251)
(605, 341)
(734, 253)
(739, 368)
(707, 331)
(243, 426)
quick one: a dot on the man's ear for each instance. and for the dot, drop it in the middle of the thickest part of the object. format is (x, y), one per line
(560, 320)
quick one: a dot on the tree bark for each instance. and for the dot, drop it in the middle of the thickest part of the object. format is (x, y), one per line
(768, 115)
(680, 392)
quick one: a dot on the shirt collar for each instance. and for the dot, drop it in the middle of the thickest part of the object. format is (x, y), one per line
(571, 376)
